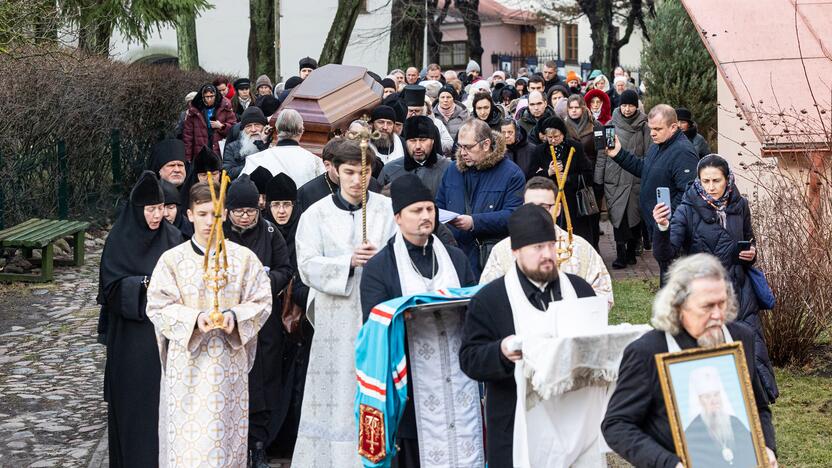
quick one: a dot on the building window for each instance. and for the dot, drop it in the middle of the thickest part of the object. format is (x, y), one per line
(453, 54)
(570, 40)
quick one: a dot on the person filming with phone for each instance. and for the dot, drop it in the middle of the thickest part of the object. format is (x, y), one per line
(670, 162)
(713, 217)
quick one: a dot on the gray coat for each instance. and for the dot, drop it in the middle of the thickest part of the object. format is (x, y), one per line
(430, 173)
(621, 188)
(459, 116)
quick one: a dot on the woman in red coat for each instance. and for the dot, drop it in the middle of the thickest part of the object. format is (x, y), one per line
(598, 103)
(209, 119)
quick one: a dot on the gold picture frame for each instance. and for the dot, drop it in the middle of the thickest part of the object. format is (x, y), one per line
(700, 378)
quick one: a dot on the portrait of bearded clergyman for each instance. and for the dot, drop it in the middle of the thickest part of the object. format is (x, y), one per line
(715, 437)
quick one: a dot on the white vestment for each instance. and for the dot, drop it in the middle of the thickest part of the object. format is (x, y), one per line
(326, 238)
(396, 153)
(294, 161)
(203, 405)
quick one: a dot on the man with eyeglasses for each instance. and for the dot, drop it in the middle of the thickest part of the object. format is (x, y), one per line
(208, 120)
(246, 227)
(483, 187)
(582, 260)
(534, 113)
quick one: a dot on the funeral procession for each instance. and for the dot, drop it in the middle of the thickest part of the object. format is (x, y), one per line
(416, 234)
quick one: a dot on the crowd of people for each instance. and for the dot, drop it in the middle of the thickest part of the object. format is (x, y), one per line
(463, 187)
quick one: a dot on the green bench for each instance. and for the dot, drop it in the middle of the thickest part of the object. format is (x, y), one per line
(42, 234)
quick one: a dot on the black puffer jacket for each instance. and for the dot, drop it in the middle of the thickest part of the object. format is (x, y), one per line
(695, 228)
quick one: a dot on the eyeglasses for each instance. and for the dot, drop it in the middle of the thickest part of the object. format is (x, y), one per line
(282, 204)
(468, 148)
(250, 212)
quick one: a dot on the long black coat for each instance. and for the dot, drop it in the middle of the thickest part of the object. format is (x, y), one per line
(671, 164)
(489, 320)
(321, 187)
(694, 228)
(380, 282)
(522, 153)
(265, 376)
(636, 425)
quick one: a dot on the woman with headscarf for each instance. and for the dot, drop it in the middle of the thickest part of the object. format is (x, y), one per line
(449, 110)
(714, 218)
(581, 127)
(132, 371)
(245, 226)
(553, 132)
(209, 119)
(486, 110)
(621, 188)
(599, 105)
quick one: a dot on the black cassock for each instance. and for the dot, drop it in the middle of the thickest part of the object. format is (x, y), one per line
(264, 384)
(636, 425)
(380, 282)
(321, 187)
(132, 371)
(489, 320)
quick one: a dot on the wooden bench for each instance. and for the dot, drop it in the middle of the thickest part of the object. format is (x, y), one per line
(42, 234)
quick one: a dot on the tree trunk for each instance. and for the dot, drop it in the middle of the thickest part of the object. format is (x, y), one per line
(94, 35)
(261, 38)
(340, 32)
(606, 46)
(186, 45)
(469, 9)
(407, 34)
(437, 18)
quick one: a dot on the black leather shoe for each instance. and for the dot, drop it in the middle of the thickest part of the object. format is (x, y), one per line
(257, 456)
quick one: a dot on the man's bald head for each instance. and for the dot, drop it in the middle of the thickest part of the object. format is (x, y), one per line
(666, 113)
(537, 105)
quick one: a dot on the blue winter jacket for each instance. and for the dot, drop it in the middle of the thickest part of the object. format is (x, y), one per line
(495, 186)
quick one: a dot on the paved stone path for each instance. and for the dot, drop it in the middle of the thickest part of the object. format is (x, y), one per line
(51, 368)
(51, 408)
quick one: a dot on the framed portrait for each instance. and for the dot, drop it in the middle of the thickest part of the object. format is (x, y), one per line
(711, 407)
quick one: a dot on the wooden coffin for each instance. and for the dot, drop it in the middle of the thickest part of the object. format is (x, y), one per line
(329, 99)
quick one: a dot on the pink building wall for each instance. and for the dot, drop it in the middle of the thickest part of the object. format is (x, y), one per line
(495, 38)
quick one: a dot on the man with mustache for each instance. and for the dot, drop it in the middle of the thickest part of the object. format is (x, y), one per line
(415, 261)
(388, 146)
(488, 351)
(695, 308)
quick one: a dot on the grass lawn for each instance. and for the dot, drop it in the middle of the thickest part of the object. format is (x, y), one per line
(802, 414)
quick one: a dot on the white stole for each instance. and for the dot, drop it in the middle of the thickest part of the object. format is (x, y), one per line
(411, 281)
(552, 433)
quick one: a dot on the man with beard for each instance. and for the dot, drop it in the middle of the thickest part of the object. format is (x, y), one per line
(715, 437)
(132, 373)
(422, 157)
(388, 146)
(245, 226)
(505, 307)
(414, 99)
(415, 261)
(242, 99)
(167, 160)
(695, 308)
(209, 119)
(305, 66)
(287, 155)
(327, 183)
(332, 251)
(250, 141)
(688, 126)
(536, 111)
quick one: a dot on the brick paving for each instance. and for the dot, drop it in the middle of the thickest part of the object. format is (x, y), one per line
(646, 267)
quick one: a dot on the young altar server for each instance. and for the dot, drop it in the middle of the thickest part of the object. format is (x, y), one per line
(331, 255)
(203, 417)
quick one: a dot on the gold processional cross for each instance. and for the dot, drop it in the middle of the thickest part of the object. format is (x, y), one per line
(564, 252)
(364, 136)
(216, 272)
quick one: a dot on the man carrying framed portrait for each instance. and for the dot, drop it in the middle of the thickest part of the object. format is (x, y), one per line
(719, 413)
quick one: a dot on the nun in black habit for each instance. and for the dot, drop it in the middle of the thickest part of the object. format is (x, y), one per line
(246, 226)
(206, 160)
(132, 372)
(175, 213)
(282, 210)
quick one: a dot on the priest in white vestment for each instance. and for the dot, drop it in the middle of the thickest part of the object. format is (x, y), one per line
(203, 407)
(331, 256)
(388, 146)
(583, 260)
(287, 156)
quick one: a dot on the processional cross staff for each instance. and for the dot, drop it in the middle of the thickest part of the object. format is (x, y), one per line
(216, 272)
(364, 136)
(564, 253)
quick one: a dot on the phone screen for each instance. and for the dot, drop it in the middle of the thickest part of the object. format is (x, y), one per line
(609, 135)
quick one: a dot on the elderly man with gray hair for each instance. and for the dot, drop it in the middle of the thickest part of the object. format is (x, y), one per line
(695, 309)
(287, 155)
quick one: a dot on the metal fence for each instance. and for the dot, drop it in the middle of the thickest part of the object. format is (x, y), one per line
(47, 179)
(511, 62)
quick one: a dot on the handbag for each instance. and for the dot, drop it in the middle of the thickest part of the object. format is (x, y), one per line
(587, 205)
(765, 296)
(291, 313)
